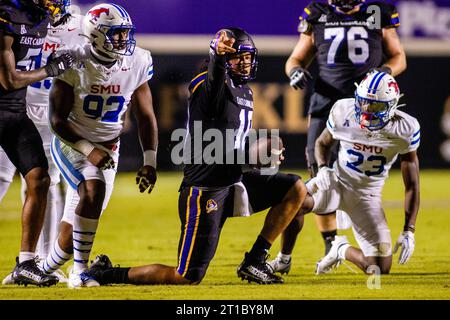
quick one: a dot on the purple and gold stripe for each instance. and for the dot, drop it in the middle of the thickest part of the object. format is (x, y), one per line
(193, 211)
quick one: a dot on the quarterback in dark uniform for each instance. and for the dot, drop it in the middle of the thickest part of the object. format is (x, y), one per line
(349, 38)
(23, 27)
(211, 192)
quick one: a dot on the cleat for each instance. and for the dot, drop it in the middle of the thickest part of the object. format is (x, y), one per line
(279, 265)
(78, 280)
(98, 266)
(332, 259)
(257, 272)
(28, 272)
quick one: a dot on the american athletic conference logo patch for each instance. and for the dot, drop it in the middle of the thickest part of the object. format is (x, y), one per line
(211, 206)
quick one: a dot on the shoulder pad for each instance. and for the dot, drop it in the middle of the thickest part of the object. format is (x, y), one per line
(311, 15)
(6, 24)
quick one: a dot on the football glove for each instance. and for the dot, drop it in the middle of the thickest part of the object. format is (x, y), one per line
(324, 178)
(406, 241)
(59, 65)
(299, 78)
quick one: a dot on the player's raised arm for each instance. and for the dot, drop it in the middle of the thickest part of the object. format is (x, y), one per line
(219, 47)
(12, 79)
(142, 106)
(61, 103)
(410, 172)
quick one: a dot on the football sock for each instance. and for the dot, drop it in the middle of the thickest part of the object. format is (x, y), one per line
(284, 257)
(56, 258)
(113, 275)
(259, 249)
(24, 256)
(84, 230)
(328, 237)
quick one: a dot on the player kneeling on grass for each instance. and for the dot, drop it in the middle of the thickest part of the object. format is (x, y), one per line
(371, 133)
(212, 192)
(87, 109)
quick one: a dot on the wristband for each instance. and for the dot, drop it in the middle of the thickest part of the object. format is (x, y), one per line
(150, 158)
(84, 146)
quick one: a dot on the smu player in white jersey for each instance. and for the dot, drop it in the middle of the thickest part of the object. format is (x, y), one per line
(372, 133)
(87, 110)
(63, 33)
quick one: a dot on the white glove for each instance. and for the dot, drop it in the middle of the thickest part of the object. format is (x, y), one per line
(406, 241)
(324, 178)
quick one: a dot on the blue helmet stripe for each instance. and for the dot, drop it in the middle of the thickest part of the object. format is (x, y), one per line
(373, 81)
(124, 12)
(378, 82)
(120, 9)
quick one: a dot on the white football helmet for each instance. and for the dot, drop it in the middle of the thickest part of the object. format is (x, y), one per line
(376, 99)
(103, 25)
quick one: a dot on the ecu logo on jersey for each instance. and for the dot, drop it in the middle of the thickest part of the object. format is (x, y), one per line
(211, 206)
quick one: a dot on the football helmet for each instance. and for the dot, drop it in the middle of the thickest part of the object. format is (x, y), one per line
(345, 5)
(376, 100)
(243, 43)
(104, 24)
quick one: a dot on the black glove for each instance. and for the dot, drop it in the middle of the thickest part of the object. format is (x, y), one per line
(59, 65)
(299, 78)
(385, 69)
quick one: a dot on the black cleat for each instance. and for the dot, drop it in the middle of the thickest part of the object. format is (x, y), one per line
(257, 271)
(28, 272)
(98, 266)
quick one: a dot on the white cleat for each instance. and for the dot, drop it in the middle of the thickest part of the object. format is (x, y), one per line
(79, 280)
(332, 259)
(280, 265)
(8, 280)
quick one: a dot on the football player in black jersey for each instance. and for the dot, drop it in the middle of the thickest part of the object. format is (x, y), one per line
(210, 193)
(349, 38)
(23, 27)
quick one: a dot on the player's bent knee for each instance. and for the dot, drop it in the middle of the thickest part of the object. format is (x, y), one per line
(297, 193)
(38, 182)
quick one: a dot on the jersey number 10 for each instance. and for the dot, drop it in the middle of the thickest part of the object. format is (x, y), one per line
(358, 48)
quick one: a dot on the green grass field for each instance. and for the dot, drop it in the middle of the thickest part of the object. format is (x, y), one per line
(140, 229)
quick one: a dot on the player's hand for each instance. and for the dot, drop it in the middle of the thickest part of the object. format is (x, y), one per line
(299, 78)
(324, 178)
(101, 159)
(407, 242)
(146, 178)
(222, 44)
(59, 65)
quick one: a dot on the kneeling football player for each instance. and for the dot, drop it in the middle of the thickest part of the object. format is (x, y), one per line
(211, 192)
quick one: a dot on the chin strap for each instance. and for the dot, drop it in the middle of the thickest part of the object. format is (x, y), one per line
(101, 57)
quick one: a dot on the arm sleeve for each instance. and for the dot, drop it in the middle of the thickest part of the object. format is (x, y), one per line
(389, 16)
(215, 77)
(146, 72)
(413, 139)
(332, 123)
